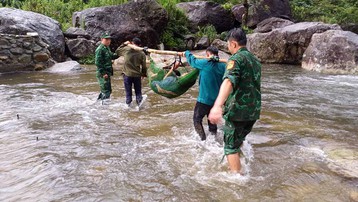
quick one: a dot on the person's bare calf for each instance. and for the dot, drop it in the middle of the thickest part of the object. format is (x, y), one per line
(234, 162)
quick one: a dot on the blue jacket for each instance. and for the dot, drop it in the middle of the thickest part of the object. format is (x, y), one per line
(210, 77)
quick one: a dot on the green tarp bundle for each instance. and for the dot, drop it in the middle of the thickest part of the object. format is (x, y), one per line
(172, 86)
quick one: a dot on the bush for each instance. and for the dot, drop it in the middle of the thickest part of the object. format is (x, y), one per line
(328, 11)
(209, 31)
(88, 60)
(174, 33)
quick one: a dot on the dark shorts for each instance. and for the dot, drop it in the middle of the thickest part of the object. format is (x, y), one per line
(235, 134)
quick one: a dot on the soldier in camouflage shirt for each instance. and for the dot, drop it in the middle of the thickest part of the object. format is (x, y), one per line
(239, 99)
(103, 60)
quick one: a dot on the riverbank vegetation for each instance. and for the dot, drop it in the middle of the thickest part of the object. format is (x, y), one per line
(329, 11)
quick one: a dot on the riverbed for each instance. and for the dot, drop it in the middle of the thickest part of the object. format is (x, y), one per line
(58, 144)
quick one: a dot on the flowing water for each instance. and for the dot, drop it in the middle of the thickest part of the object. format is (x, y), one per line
(58, 144)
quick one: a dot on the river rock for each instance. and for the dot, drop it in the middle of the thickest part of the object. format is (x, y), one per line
(203, 43)
(145, 19)
(266, 9)
(76, 32)
(333, 51)
(41, 57)
(81, 47)
(238, 11)
(221, 45)
(201, 13)
(352, 27)
(286, 45)
(19, 22)
(67, 66)
(189, 42)
(269, 24)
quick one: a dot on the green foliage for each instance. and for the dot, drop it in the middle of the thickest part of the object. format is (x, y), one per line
(88, 60)
(177, 28)
(223, 36)
(209, 31)
(247, 30)
(328, 11)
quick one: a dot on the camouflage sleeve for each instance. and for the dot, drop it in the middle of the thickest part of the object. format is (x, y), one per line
(99, 60)
(232, 73)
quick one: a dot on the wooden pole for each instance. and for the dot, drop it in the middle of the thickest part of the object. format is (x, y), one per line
(165, 52)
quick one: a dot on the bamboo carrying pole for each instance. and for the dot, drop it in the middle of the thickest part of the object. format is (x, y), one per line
(165, 52)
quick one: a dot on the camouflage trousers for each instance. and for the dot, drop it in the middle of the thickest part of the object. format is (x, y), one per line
(235, 133)
(105, 85)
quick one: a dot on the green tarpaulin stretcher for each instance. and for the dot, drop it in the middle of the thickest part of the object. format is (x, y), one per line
(171, 86)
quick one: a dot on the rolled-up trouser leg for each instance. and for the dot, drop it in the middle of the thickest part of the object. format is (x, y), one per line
(235, 133)
(128, 88)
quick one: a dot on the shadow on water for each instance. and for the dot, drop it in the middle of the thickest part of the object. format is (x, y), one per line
(65, 146)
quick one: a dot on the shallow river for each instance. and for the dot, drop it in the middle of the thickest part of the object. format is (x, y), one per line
(58, 144)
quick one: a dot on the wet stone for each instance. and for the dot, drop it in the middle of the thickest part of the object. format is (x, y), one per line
(4, 57)
(41, 57)
(36, 48)
(16, 51)
(26, 45)
(39, 67)
(4, 47)
(25, 59)
(4, 42)
(4, 52)
(12, 41)
(42, 44)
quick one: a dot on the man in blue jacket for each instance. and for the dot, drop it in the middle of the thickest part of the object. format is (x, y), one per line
(210, 79)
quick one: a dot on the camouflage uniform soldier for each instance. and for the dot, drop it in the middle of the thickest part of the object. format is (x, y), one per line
(104, 58)
(240, 95)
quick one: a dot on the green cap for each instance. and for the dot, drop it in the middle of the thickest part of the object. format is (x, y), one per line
(106, 35)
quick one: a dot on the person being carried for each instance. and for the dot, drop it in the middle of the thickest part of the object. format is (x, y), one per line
(239, 99)
(210, 79)
(134, 68)
(103, 61)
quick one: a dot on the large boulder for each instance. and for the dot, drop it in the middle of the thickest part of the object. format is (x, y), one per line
(76, 32)
(19, 22)
(65, 67)
(80, 47)
(203, 43)
(145, 19)
(262, 10)
(333, 51)
(221, 45)
(269, 24)
(201, 13)
(286, 45)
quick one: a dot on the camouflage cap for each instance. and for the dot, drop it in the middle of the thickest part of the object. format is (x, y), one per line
(106, 35)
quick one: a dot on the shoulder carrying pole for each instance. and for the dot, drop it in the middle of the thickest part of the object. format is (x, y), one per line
(165, 52)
